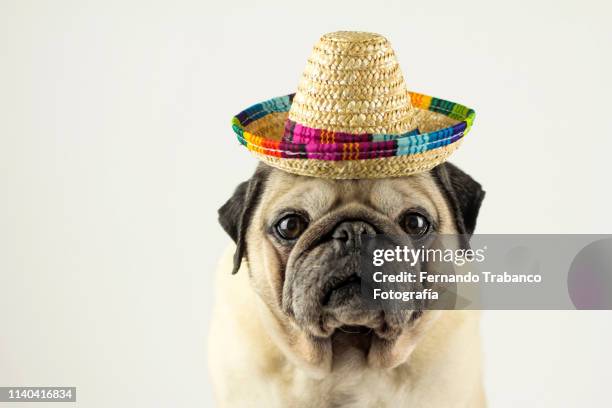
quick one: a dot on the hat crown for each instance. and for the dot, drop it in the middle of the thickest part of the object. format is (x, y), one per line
(352, 83)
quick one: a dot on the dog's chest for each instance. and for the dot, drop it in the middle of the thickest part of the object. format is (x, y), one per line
(367, 389)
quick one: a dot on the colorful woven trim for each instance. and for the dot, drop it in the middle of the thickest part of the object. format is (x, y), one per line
(297, 133)
(300, 142)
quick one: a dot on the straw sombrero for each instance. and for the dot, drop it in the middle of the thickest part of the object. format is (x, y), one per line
(353, 117)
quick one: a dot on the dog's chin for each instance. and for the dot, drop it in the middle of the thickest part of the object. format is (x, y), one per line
(355, 332)
(356, 340)
(353, 328)
(370, 344)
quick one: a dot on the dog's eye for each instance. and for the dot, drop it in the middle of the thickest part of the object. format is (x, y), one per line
(291, 226)
(415, 224)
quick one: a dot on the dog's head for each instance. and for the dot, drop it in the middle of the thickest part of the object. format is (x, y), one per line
(302, 237)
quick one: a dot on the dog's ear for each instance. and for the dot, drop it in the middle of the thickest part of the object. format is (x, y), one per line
(463, 193)
(235, 215)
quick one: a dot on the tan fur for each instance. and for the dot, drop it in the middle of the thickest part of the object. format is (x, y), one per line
(259, 358)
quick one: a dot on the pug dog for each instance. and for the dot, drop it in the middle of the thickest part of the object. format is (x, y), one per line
(288, 328)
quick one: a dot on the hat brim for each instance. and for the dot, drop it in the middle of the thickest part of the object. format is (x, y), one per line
(442, 126)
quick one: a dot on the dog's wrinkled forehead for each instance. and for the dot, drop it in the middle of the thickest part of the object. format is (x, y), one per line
(318, 196)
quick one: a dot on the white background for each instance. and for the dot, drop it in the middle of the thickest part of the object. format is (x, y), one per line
(116, 150)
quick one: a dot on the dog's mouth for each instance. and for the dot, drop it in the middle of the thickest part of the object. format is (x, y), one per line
(329, 299)
(345, 313)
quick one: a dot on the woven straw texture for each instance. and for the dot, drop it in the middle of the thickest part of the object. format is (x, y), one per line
(352, 117)
(352, 83)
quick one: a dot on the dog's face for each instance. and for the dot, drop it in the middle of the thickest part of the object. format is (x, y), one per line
(303, 239)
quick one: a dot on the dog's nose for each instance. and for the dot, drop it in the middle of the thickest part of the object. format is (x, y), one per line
(349, 233)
